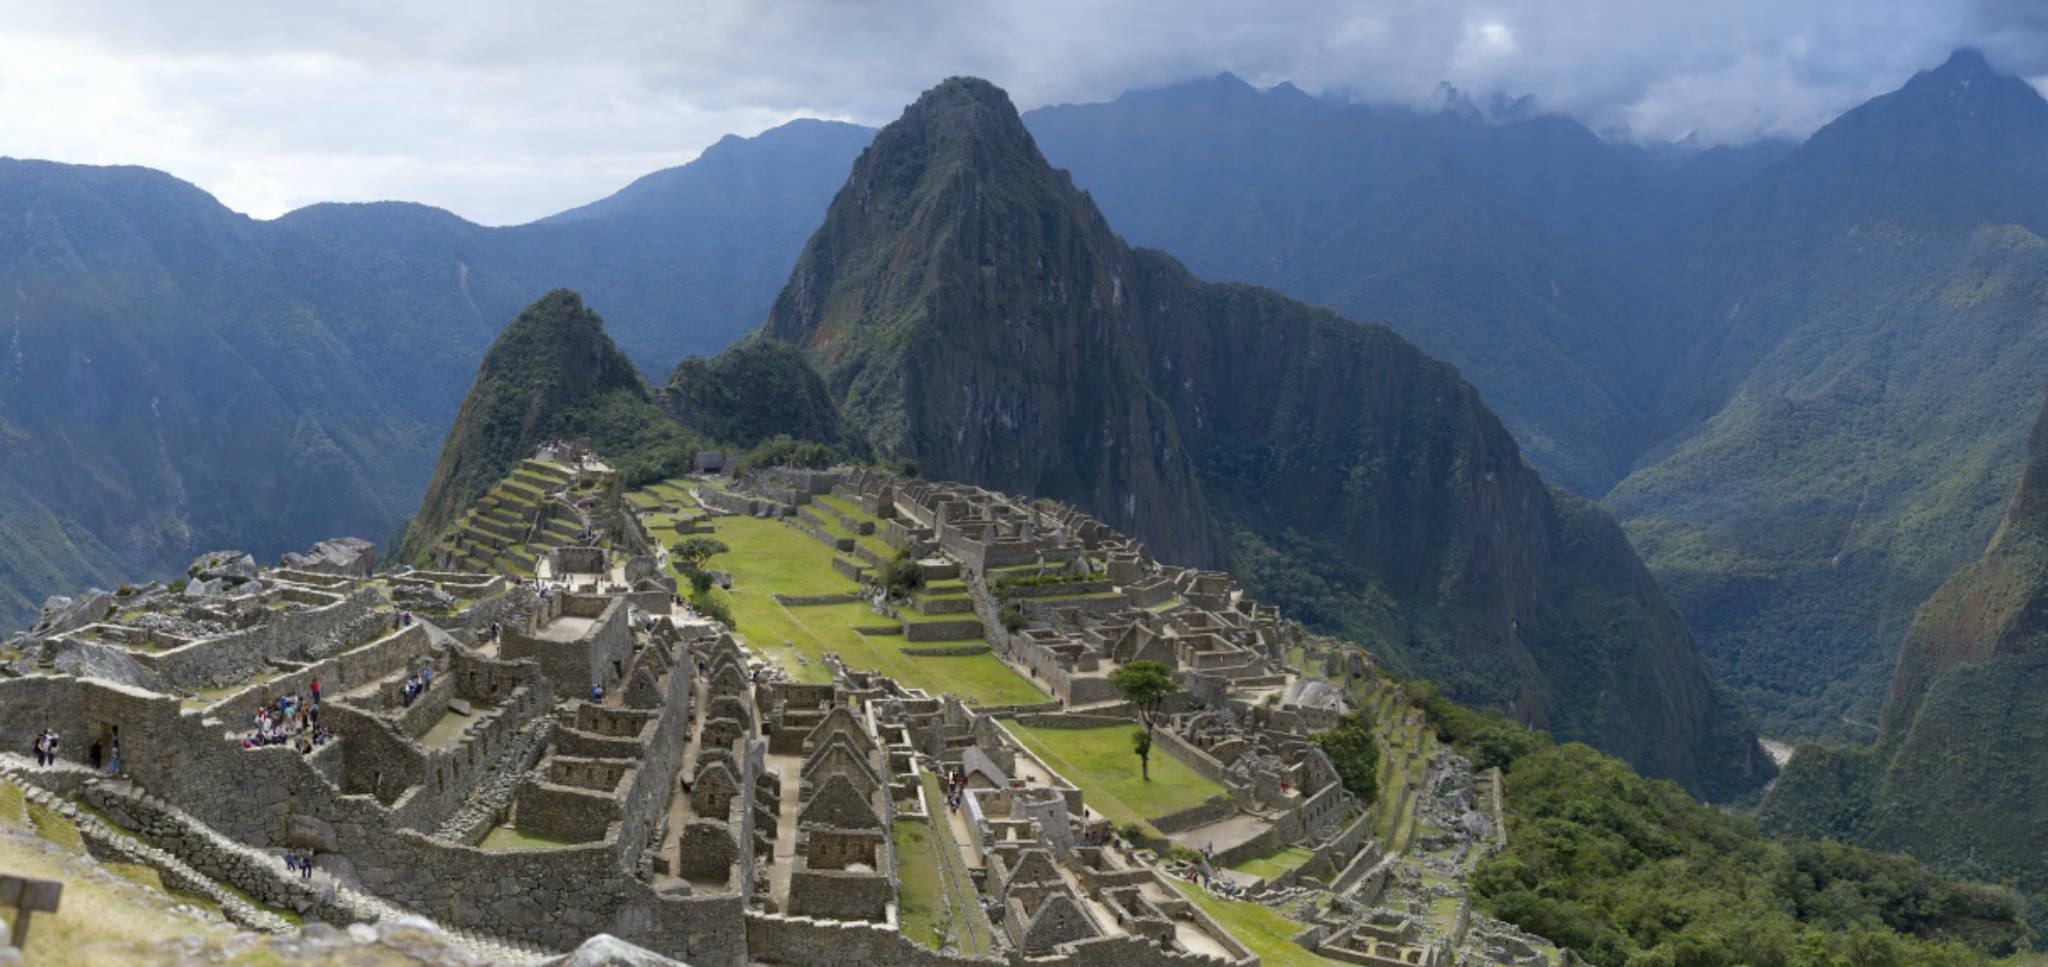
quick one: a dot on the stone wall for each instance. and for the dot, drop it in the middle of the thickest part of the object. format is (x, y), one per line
(942, 630)
(348, 670)
(297, 635)
(832, 943)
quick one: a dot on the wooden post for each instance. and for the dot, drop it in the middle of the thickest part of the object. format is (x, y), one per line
(28, 897)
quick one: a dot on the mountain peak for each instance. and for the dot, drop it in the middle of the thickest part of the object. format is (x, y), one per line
(1965, 61)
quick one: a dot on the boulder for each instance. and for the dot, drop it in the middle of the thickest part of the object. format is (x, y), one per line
(86, 659)
(224, 564)
(605, 950)
(62, 614)
(342, 556)
(311, 832)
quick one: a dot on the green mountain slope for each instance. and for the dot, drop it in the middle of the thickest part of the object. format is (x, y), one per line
(176, 377)
(1858, 341)
(552, 374)
(755, 389)
(1959, 778)
(970, 309)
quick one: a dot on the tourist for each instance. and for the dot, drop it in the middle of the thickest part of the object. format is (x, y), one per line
(114, 753)
(316, 692)
(596, 693)
(426, 677)
(43, 748)
(306, 864)
(291, 861)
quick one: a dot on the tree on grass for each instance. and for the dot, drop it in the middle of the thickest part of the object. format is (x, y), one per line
(689, 555)
(1146, 685)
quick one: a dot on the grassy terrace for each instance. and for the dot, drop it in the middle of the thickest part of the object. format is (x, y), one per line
(921, 896)
(769, 557)
(1274, 864)
(938, 902)
(1263, 929)
(1101, 763)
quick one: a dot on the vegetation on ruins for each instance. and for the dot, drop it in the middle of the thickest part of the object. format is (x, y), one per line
(1629, 870)
(1013, 617)
(783, 450)
(1146, 685)
(1355, 752)
(900, 574)
(712, 606)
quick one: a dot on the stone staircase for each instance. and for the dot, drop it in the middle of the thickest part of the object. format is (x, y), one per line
(166, 838)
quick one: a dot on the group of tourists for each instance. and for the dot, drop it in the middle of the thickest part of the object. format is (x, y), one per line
(46, 747)
(292, 719)
(299, 861)
(955, 787)
(102, 756)
(416, 683)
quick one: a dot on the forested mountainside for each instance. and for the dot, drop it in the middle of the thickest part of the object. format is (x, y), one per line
(1958, 777)
(971, 310)
(176, 377)
(1862, 332)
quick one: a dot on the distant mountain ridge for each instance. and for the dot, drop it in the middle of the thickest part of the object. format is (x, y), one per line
(176, 377)
(970, 309)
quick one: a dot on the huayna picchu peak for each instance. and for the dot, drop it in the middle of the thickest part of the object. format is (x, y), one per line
(972, 311)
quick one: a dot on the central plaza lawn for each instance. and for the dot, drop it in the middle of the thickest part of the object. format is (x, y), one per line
(1263, 929)
(1101, 763)
(769, 557)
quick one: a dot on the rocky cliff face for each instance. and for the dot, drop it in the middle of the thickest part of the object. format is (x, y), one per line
(970, 309)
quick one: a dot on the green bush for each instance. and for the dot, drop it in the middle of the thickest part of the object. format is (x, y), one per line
(1356, 754)
(711, 606)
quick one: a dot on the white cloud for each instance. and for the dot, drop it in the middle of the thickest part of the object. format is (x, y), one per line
(506, 111)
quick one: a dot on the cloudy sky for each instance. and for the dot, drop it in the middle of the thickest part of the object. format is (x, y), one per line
(506, 111)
